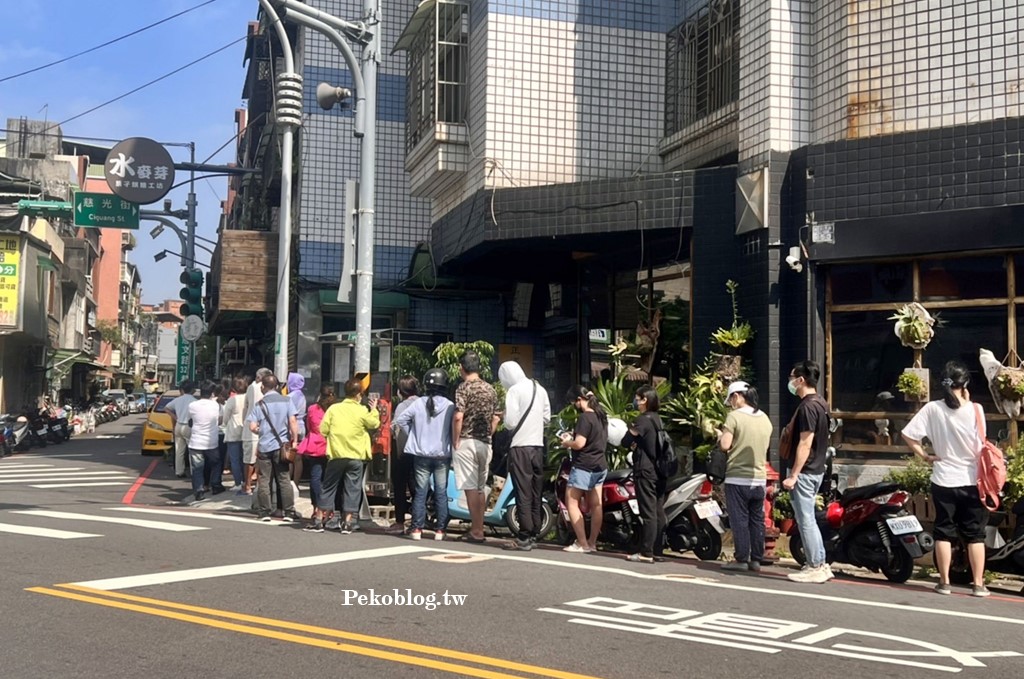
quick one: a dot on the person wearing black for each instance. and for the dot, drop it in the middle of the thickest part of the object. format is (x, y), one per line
(402, 481)
(587, 446)
(642, 439)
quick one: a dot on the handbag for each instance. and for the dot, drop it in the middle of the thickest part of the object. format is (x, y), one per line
(287, 452)
(717, 462)
(501, 441)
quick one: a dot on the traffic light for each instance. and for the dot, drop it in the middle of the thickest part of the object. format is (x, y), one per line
(192, 293)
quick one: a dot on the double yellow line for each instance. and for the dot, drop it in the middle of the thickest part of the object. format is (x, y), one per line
(381, 648)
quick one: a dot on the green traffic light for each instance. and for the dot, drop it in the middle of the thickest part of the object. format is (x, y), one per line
(192, 293)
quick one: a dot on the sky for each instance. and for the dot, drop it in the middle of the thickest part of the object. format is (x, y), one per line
(195, 105)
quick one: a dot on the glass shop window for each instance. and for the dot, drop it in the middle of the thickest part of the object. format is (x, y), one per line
(872, 283)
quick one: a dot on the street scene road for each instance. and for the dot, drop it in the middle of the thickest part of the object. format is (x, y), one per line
(126, 578)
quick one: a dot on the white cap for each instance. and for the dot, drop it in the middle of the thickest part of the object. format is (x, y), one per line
(735, 388)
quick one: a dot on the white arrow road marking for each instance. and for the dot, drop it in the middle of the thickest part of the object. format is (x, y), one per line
(141, 523)
(45, 532)
(81, 485)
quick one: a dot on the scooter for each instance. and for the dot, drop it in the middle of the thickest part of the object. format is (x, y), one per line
(6, 434)
(1000, 556)
(500, 512)
(620, 510)
(870, 527)
(694, 521)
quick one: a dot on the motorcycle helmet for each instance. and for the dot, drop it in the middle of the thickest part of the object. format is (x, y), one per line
(436, 378)
(616, 431)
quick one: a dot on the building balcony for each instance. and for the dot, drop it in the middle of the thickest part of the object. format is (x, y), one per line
(242, 285)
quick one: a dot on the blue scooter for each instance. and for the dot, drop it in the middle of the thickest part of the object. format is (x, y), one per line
(502, 513)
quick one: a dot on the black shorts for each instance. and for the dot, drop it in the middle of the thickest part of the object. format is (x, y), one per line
(959, 509)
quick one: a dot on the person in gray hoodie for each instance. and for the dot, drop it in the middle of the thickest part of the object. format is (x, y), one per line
(527, 412)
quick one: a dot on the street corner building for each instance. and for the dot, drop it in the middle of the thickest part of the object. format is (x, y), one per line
(543, 167)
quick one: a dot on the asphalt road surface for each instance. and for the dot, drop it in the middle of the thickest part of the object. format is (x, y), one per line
(127, 580)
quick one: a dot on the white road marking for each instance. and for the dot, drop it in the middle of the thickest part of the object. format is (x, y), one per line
(81, 485)
(141, 523)
(52, 470)
(70, 476)
(45, 532)
(199, 515)
(58, 455)
(244, 568)
(15, 468)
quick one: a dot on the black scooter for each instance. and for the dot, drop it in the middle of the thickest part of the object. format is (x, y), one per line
(1007, 558)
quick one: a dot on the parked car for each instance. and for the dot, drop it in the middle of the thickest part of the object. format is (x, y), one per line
(157, 433)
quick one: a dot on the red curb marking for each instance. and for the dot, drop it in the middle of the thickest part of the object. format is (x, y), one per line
(130, 495)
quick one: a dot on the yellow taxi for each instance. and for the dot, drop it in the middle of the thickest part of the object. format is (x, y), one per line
(157, 433)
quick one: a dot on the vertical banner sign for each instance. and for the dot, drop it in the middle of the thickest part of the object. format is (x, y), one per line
(10, 265)
(184, 370)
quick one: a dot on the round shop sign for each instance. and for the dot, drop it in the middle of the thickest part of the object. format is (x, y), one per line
(139, 170)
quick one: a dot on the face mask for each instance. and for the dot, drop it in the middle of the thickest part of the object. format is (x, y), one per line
(792, 387)
(636, 404)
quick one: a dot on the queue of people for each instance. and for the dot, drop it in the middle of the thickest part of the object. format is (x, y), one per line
(435, 434)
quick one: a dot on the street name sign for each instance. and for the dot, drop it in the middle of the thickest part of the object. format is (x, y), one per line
(103, 210)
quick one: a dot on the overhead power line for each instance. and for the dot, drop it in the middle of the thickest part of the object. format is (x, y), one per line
(107, 43)
(144, 86)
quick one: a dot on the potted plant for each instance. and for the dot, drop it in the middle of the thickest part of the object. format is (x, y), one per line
(782, 512)
(914, 326)
(731, 340)
(1005, 383)
(913, 384)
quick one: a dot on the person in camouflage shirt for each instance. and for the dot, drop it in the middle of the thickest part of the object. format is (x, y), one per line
(476, 417)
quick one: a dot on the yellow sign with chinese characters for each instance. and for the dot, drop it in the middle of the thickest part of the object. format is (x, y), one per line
(10, 273)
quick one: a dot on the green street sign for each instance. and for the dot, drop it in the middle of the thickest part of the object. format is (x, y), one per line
(184, 370)
(104, 210)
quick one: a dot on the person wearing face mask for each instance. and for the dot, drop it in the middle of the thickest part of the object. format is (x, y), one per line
(807, 468)
(642, 439)
(745, 437)
(587, 445)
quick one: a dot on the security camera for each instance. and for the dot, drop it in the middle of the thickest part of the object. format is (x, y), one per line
(793, 259)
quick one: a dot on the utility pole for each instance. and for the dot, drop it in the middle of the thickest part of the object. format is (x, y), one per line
(364, 75)
(289, 116)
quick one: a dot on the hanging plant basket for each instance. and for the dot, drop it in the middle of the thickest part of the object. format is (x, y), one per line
(729, 367)
(914, 326)
(914, 384)
(1009, 382)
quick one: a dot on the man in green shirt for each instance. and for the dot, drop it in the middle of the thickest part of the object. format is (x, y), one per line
(347, 426)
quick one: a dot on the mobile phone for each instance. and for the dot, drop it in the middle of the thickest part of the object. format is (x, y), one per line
(373, 396)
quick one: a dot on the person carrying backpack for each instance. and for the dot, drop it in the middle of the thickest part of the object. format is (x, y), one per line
(957, 433)
(643, 438)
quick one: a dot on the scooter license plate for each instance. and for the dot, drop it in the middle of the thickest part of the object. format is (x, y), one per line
(707, 509)
(901, 525)
(41, 432)
(635, 506)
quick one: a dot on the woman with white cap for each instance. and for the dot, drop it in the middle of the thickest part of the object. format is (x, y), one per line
(745, 437)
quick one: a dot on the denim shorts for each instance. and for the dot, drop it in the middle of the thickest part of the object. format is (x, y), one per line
(582, 479)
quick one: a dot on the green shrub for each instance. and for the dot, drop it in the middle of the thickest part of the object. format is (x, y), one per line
(915, 477)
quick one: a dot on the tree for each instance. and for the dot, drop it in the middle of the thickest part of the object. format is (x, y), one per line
(110, 332)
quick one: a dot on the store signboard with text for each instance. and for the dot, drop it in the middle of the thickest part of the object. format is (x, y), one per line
(10, 274)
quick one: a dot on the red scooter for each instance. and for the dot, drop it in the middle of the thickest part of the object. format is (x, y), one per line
(620, 511)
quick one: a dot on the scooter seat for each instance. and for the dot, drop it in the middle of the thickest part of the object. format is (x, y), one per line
(865, 492)
(618, 474)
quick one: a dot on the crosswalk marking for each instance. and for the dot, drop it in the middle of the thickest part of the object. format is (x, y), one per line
(72, 476)
(218, 517)
(142, 523)
(16, 468)
(71, 471)
(45, 532)
(81, 485)
(46, 470)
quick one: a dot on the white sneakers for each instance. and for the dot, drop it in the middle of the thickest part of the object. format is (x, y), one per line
(817, 575)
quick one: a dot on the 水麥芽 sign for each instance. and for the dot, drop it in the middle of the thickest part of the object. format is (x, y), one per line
(139, 170)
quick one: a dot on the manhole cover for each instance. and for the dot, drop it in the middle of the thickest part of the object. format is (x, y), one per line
(457, 557)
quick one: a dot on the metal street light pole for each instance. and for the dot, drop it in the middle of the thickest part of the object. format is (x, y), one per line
(367, 33)
(289, 116)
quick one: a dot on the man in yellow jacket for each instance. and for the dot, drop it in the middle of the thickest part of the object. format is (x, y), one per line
(346, 427)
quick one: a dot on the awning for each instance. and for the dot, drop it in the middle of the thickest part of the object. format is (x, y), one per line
(64, 360)
(423, 13)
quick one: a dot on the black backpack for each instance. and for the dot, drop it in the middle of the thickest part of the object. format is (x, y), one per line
(665, 463)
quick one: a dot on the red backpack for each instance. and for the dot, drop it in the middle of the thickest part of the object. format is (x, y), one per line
(991, 467)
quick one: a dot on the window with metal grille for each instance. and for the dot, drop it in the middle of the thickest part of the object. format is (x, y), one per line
(438, 72)
(703, 65)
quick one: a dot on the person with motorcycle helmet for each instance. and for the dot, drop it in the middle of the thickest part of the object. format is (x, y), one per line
(745, 437)
(428, 424)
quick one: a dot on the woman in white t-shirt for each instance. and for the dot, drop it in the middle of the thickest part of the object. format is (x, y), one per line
(951, 425)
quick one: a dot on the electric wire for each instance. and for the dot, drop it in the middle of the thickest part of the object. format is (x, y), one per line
(151, 82)
(107, 43)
